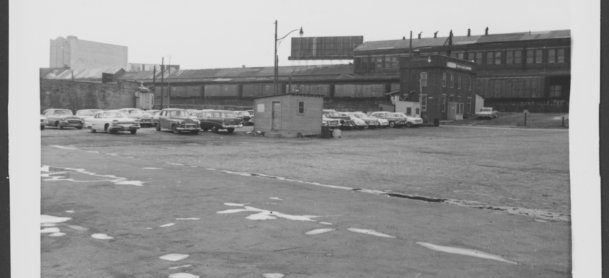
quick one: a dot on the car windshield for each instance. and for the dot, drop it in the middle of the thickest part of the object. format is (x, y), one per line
(62, 112)
(486, 109)
(332, 114)
(229, 115)
(178, 113)
(356, 115)
(85, 112)
(399, 115)
(114, 115)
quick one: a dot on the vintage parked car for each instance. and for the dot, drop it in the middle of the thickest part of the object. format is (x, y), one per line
(43, 122)
(359, 123)
(61, 118)
(219, 119)
(112, 121)
(245, 117)
(176, 120)
(332, 123)
(411, 121)
(487, 112)
(85, 114)
(371, 120)
(394, 120)
(144, 118)
(345, 121)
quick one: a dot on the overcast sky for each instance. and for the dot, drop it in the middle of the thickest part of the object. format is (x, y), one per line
(213, 34)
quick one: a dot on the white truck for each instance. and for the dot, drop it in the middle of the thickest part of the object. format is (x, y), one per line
(486, 112)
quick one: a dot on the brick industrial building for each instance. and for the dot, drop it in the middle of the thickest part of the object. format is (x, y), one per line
(511, 68)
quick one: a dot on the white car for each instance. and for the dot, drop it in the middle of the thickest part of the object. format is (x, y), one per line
(144, 118)
(487, 112)
(382, 122)
(411, 121)
(372, 122)
(85, 114)
(111, 122)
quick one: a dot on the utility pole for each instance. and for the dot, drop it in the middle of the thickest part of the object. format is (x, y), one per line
(275, 59)
(154, 80)
(409, 66)
(169, 83)
(162, 84)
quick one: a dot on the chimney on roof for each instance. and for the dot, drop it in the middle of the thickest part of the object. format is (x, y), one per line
(420, 35)
(435, 35)
(469, 32)
(486, 31)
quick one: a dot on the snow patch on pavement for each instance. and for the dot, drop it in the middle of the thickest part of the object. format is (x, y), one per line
(181, 266)
(63, 147)
(57, 234)
(61, 175)
(272, 275)
(167, 225)
(276, 198)
(46, 219)
(183, 275)
(463, 251)
(369, 232)
(101, 236)
(267, 214)
(49, 230)
(188, 218)
(325, 223)
(319, 231)
(174, 257)
(151, 168)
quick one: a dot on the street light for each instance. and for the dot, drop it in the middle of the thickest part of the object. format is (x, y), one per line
(276, 64)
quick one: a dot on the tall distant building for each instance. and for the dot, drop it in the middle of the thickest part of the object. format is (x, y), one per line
(73, 53)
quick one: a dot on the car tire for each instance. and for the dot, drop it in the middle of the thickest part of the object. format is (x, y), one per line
(391, 124)
(41, 127)
(133, 131)
(195, 132)
(93, 130)
(214, 129)
(106, 129)
(408, 124)
(230, 130)
(174, 129)
(58, 125)
(79, 127)
(205, 129)
(158, 127)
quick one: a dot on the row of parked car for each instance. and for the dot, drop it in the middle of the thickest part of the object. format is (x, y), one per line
(185, 120)
(361, 120)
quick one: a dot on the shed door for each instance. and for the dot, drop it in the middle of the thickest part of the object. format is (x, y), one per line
(276, 115)
(451, 111)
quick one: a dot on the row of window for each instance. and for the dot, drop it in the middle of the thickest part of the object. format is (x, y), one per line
(509, 57)
(452, 81)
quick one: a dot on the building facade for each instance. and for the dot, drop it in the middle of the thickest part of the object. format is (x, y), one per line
(70, 52)
(444, 86)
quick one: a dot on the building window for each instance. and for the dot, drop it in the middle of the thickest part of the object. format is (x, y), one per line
(471, 56)
(458, 81)
(498, 58)
(365, 62)
(409, 111)
(418, 112)
(509, 56)
(394, 62)
(358, 63)
(301, 107)
(555, 90)
(460, 55)
(518, 57)
(469, 105)
(423, 79)
(561, 56)
(470, 84)
(423, 102)
(479, 58)
(443, 103)
(444, 80)
(551, 56)
(530, 55)
(489, 58)
(452, 81)
(379, 63)
(539, 56)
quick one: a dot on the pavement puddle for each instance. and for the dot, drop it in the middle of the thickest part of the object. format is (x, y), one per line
(101, 236)
(319, 231)
(272, 275)
(463, 251)
(180, 266)
(266, 214)
(167, 225)
(369, 232)
(174, 257)
(50, 173)
(183, 275)
(182, 219)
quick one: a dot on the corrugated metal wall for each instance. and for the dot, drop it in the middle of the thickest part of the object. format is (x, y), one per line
(257, 90)
(310, 89)
(525, 87)
(186, 91)
(359, 91)
(225, 90)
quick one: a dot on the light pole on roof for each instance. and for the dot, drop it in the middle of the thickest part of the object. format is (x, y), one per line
(276, 63)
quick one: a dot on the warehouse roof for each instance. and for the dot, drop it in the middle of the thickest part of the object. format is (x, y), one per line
(457, 40)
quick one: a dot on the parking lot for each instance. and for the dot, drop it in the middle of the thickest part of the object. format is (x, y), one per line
(444, 201)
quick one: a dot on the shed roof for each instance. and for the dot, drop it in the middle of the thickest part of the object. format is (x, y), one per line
(460, 40)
